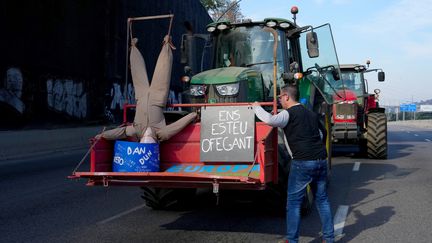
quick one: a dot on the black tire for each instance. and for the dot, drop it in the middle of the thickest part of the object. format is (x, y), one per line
(276, 194)
(377, 136)
(167, 198)
(362, 148)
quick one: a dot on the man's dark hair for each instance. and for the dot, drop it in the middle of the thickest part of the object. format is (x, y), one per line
(291, 90)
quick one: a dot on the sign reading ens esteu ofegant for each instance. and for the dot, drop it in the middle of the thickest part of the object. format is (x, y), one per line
(227, 133)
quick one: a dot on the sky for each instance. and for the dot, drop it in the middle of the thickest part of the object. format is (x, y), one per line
(395, 35)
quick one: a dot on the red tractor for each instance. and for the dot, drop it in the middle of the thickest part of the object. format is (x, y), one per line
(357, 117)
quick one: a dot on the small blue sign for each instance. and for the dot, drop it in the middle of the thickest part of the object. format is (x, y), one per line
(135, 157)
(408, 107)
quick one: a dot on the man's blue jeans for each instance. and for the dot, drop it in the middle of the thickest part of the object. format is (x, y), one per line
(302, 173)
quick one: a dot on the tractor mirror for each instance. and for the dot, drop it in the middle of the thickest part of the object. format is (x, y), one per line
(312, 44)
(381, 76)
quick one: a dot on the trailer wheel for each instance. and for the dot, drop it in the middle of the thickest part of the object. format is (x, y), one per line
(377, 136)
(167, 198)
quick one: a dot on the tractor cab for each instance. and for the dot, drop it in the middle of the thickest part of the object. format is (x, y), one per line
(250, 61)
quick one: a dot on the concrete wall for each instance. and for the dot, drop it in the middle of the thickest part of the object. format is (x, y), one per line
(65, 60)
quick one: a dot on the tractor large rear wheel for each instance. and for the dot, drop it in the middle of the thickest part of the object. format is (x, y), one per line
(377, 136)
(167, 198)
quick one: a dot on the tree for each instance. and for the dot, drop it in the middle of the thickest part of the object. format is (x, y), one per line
(223, 9)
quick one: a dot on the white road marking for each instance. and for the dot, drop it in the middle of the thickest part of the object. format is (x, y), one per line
(416, 135)
(339, 219)
(120, 215)
(427, 140)
(356, 166)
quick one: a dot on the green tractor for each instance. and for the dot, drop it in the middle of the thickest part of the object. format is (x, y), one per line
(237, 64)
(250, 61)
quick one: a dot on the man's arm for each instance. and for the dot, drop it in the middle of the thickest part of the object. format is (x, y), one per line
(279, 120)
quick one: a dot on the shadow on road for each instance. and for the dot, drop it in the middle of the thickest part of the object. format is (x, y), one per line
(247, 212)
(378, 217)
(354, 190)
(238, 211)
(399, 150)
(395, 151)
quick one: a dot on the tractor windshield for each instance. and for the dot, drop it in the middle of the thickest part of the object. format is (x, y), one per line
(323, 70)
(250, 46)
(352, 81)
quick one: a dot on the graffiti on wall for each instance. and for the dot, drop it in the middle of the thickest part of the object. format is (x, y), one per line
(174, 99)
(12, 91)
(118, 97)
(67, 96)
(113, 110)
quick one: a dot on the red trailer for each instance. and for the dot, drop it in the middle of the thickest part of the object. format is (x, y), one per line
(251, 60)
(181, 167)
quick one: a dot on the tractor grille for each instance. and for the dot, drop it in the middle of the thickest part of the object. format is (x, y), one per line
(346, 111)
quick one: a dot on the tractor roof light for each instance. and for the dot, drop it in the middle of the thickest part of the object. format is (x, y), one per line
(271, 23)
(284, 25)
(222, 26)
(211, 29)
(294, 10)
(359, 68)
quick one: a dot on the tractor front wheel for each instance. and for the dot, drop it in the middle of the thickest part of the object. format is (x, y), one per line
(377, 136)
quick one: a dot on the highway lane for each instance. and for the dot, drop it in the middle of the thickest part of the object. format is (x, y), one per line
(386, 201)
(39, 204)
(389, 200)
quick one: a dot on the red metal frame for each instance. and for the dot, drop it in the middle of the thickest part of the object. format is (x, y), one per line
(184, 150)
(370, 102)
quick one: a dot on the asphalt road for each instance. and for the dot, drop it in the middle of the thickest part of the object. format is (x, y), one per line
(383, 201)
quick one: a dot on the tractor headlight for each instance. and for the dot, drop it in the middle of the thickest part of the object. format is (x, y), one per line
(197, 90)
(228, 89)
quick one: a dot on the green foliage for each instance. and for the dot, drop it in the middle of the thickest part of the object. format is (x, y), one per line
(227, 9)
(212, 4)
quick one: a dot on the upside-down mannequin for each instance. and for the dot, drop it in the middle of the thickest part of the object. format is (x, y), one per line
(149, 123)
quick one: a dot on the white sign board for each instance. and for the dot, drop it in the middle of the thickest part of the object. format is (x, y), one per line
(227, 133)
(426, 108)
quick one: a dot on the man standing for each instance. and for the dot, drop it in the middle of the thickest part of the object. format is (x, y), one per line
(305, 134)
